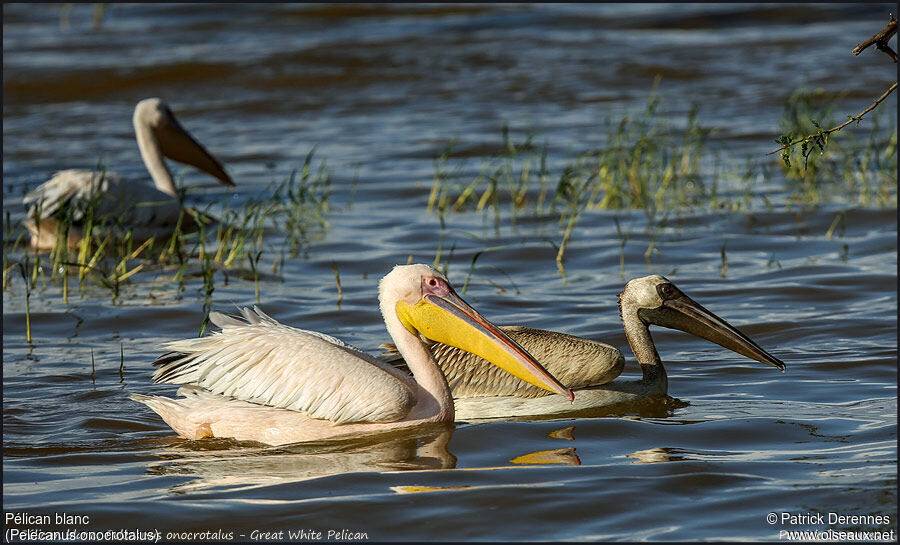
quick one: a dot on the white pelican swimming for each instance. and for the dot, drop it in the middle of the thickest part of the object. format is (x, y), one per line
(587, 366)
(263, 381)
(148, 209)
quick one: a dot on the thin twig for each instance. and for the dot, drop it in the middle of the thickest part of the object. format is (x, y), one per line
(881, 42)
(856, 118)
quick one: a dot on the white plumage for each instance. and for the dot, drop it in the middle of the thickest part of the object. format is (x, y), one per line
(263, 361)
(148, 209)
(263, 381)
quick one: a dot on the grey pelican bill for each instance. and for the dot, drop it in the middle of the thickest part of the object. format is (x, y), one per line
(137, 204)
(263, 381)
(587, 366)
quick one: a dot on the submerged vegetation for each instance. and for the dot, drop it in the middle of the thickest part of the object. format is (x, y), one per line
(648, 164)
(278, 223)
(645, 164)
(648, 161)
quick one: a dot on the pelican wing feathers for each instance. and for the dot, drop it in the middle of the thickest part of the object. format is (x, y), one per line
(74, 190)
(64, 187)
(263, 361)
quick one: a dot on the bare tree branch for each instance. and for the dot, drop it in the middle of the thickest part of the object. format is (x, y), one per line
(881, 40)
(820, 138)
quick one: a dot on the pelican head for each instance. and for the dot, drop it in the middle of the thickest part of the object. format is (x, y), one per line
(656, 300)
(160, 134)
(425, 303)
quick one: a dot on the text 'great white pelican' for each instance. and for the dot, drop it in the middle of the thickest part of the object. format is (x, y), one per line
(588, 366)
(263, 381)
(129, 203)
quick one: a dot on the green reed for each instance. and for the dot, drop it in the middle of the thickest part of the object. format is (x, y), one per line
(723, 270)
(281, 220)
(254, 267)
(27, 283)
(839, 223)
(11, 246)
(302, 203)
(652, 162)
(645, 164)
(121, 363)
(337, 280)
(475, 257)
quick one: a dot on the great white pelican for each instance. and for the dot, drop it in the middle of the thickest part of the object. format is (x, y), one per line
(262, 381)
(128, 203)
(587, 366)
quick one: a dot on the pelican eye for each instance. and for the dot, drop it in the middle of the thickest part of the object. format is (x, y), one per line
(436, 286)
(667, 291)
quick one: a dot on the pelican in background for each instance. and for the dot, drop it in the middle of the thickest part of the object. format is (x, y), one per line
(587, 366)
(262, 381)
(148, 209)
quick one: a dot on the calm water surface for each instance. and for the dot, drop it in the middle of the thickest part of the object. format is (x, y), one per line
(379, 92)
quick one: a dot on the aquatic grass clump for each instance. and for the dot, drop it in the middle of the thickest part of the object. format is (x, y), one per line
(281, 220)
(295, 208)
(302, 204)
(645, 164)
(508, 177)
(649, 163)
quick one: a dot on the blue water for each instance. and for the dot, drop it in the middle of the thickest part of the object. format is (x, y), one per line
(378, 92)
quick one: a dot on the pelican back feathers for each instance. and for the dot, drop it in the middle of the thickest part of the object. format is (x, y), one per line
(111, 196)
(262, 361)
(67, 186)
(107, 198)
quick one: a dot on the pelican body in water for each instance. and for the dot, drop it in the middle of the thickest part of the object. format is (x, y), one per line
(263, 381)
(586, 366)
(136, 204)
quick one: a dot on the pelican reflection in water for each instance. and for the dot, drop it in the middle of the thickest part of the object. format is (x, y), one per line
(250, 465)
(148, 209)
(263, 381)
(587, 366)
